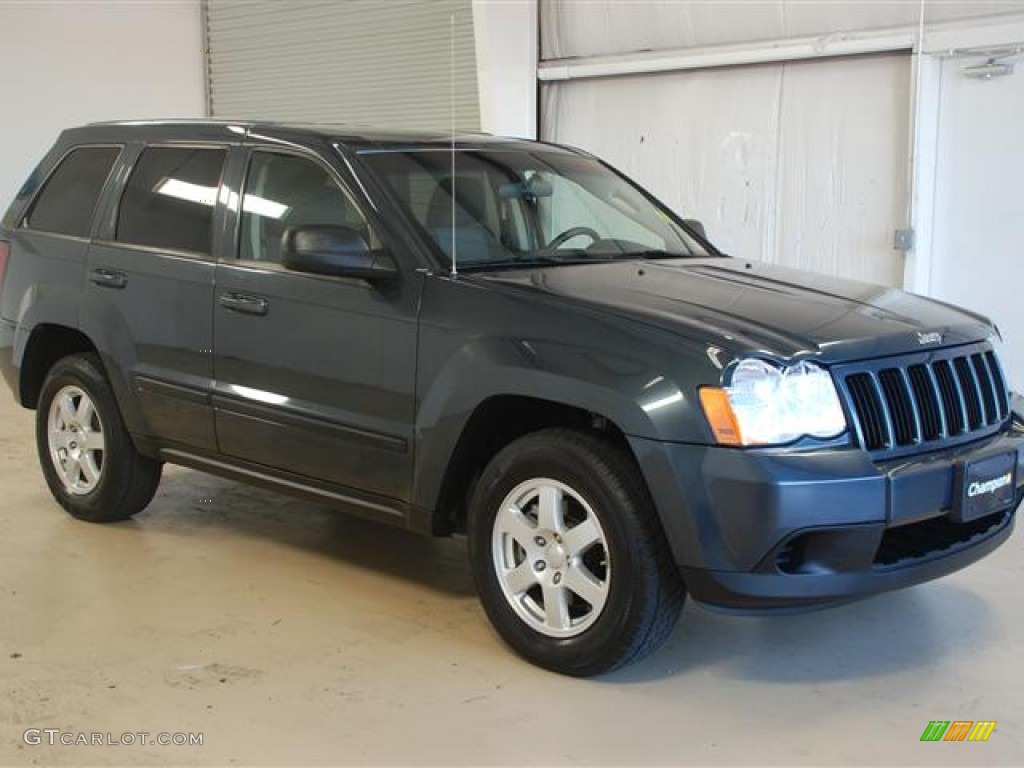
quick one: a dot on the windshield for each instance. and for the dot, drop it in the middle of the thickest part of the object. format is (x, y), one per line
(527, 206)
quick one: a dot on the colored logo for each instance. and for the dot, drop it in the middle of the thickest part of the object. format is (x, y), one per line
(958, 730)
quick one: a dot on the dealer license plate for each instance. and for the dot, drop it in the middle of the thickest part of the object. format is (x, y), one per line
(985, 486)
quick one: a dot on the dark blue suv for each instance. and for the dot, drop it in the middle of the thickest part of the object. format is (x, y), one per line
(504, 339)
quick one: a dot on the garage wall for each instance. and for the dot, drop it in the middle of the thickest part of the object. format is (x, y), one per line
(506, 63)
(812, 164)
(801, 163)
(71, 63)
(584, 28)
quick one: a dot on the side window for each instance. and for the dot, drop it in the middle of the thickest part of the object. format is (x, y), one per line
(285, 191)
(66, 203)
(169, 200)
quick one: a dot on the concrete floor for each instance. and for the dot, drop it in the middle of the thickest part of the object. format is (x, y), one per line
(288, 634)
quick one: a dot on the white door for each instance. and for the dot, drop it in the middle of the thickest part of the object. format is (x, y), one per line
(978, 226)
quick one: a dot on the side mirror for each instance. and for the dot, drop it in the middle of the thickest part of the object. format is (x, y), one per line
(323, 249)
(697, 226)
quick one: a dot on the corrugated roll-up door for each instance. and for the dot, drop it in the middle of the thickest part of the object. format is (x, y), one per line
(358, 62)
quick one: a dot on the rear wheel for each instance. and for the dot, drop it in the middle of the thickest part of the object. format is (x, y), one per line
(86, 454)
(568, 556)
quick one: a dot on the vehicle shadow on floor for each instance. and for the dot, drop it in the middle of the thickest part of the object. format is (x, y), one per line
(189, 503)
(885, 634)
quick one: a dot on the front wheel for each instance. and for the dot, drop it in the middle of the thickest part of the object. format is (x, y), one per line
(87, 456)
(568, 556)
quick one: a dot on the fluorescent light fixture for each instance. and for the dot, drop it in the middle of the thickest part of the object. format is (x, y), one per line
(184, 190)
(260, 206)
(988, 70)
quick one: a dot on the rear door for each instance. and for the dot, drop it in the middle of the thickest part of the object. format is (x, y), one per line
(315, 375)
(149, 289)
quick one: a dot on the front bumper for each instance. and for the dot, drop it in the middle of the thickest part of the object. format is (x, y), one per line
(776, 529)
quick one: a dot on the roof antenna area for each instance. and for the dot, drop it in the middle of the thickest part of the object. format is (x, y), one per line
(455, 261)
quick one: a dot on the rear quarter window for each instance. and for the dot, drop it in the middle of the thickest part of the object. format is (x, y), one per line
(66, 203)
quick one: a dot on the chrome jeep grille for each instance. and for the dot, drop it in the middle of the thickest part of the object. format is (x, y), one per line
(925, 401)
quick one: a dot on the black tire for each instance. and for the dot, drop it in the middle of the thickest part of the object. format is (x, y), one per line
(643, 591)
(121, 482)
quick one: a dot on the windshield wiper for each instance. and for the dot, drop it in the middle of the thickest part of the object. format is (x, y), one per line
(656, 253)
(526, 262)
(631, 255)
(579, 256)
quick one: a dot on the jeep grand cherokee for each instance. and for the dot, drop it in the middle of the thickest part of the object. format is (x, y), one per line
(505, 339)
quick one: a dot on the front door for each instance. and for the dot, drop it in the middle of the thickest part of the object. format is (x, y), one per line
(314, 375)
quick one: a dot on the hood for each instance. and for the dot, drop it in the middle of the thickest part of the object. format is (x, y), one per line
(745, 306)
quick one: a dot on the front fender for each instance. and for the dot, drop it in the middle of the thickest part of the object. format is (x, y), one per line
(476, 344)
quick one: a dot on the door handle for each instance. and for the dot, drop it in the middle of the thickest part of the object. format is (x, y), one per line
(108, 278)
(239, 302)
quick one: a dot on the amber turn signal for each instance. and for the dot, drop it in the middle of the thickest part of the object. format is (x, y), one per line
(720, 417)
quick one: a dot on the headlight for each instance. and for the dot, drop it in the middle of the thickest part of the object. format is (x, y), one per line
(765, 404)
(1012, 387)
(995, 339)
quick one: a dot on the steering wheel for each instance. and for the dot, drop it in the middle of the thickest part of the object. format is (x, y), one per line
(569, 234)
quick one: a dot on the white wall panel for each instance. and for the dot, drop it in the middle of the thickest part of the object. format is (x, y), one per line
(360, 62)
(801, 164)
(72, 63)
(704, 143)
(842, 173)
(587, 28)
(506, 65)
(978, 221)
